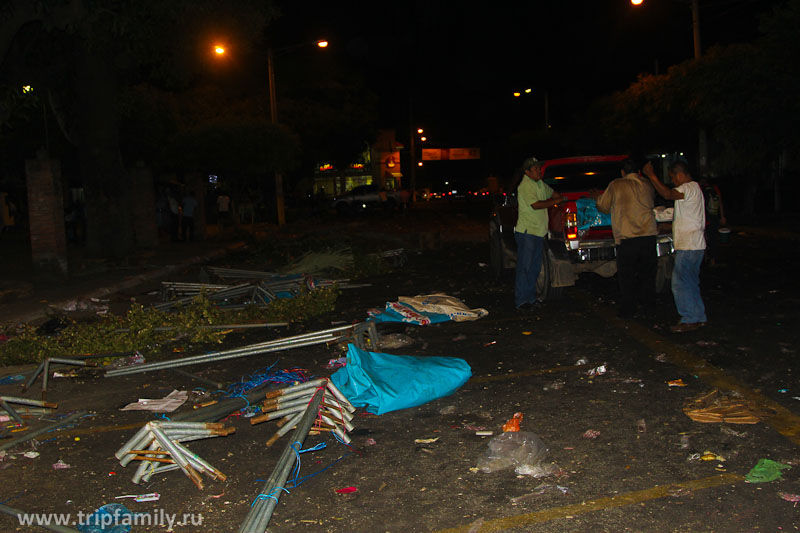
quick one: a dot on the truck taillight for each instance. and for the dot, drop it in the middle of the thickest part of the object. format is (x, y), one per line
(571, 225)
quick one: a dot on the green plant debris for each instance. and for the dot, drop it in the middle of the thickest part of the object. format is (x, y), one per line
(150, 330)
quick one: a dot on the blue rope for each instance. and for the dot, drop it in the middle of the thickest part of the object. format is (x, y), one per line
(270, 495)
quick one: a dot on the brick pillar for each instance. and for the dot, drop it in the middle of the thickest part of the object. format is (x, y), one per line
(143, 206)
(46, 217)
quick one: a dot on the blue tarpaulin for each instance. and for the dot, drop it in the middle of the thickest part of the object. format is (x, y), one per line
(589, 216)
(384, 382)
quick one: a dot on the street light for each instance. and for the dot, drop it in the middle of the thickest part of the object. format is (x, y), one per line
(273, 112)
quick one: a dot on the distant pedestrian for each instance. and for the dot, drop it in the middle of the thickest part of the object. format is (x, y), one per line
(188, 206)
(715, 218)
(174, 215)
(629, 199)
(688, 225)
(534, 197)
(223, 210)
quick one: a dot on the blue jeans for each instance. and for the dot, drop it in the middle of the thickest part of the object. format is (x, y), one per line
(529, 263)
(686, 286)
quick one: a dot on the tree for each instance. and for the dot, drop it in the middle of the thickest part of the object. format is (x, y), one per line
(82, 52)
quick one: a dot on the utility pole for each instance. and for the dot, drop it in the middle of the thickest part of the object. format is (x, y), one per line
(702, 138)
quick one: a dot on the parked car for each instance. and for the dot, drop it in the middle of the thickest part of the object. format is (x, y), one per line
(365, 197)
(572, 245)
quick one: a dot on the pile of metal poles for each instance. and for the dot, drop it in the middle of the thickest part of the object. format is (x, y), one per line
(33, 407)
(288, 404)
(159, 447)
(264, 504)
(357, 332)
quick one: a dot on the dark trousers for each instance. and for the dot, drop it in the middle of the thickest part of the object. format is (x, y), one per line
(637, 264)
(187, 228)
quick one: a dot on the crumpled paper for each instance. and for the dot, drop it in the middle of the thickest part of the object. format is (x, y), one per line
(166, 404)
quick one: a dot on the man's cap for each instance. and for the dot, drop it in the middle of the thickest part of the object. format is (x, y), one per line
(530, 162)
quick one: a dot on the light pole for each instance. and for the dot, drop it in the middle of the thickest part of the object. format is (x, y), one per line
(273, 114)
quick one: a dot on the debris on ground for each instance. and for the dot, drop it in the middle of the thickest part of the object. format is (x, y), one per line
(522, 450)
(716, 407)
(555, 385)
(372, 380)
(766, 470)
(167, 404)
(289, 404)
(392, 341)
(590, 434)
(158, 446)
(789, 497)
(513, 423)
(597, 371)
(676, 383)
(426, 309)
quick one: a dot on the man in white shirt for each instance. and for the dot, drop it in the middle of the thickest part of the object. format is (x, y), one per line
(688, 227)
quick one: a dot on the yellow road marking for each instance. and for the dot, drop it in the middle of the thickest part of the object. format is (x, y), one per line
(525, 373)
(782, 419)
(598, 504)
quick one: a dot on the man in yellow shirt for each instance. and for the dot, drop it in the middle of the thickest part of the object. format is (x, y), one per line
(534, 197)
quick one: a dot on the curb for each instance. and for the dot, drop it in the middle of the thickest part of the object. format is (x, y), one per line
(133, 281)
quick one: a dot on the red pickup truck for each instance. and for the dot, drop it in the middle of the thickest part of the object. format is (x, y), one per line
(579, 239)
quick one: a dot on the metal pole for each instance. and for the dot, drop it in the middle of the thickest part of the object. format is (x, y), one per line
(273, 113)
(35, 433)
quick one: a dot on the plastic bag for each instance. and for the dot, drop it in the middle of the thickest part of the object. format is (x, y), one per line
(383, 382)
(445, 305)
(110, 518)
(522, 450)
(589, 216)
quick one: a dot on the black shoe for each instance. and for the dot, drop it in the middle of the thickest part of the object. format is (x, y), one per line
(525, 308)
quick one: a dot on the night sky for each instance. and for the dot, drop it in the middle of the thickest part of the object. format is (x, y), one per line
(460, 62)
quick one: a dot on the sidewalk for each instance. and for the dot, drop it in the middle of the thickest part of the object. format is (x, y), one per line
(23, 299)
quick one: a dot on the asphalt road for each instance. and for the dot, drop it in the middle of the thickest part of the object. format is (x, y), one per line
(415, 469)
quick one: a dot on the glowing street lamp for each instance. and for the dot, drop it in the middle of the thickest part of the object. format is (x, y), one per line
(273, 113)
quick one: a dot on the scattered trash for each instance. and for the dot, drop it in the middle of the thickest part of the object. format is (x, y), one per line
(489, 343)
(61, 465)
(447, 410)
(783, 391)
(731, 431)
(684, 442)
(661, 358)
(716, 407)
(591, 434)
(443, 304)
(31, 455)
(384, 382)
(522, 450)
(484, 433)
(513, 423)
(676, 383)
(582, 361)
(122, 362)
(149, 497)
(527, 333)
(597, 371)
(538, 491)
(790, 497)
(370, 442)
(426, 441)
(706, 343)
(766, 470)
(711, 456)
(336, 363)
(10, 380)
(110, 518)
(392, 341)
(346, 490)
(459, 337)
(641, 426)
(555, 385)
(169, 403)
